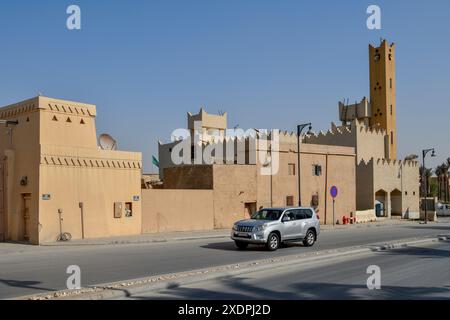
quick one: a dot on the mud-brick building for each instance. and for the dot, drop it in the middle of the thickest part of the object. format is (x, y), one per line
(54, 178)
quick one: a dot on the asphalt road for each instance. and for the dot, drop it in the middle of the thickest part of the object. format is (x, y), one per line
(420, 272)
(32, 270)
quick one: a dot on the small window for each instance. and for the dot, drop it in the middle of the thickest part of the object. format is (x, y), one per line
(414, 193)
(391, 109)
(82, 122)
(406, 193)
(68, 120)
(392, 137)
(55, 118)
(128, 209)
(289, 201)
(317, 170)
(291, 169)
(390, 83)
(28, 119)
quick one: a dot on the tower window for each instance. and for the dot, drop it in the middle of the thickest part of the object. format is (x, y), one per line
(392, 137)
(291, 169)
(391, 109)
(390, 83)
(317, 170)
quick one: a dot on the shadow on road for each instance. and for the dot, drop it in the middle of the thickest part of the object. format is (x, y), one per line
(430, 227)
(230, 246)
(420, 252)
(238, 289)
(24, 284)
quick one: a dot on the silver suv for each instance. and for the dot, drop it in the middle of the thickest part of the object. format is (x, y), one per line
(273, 226)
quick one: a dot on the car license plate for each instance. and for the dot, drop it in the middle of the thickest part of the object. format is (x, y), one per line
(242, 234)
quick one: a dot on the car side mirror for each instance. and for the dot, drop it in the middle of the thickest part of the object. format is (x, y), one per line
(285, 219)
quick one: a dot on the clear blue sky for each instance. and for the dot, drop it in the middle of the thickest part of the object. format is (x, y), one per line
(269, 64)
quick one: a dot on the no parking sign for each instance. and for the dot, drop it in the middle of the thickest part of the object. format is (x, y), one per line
(334, 192)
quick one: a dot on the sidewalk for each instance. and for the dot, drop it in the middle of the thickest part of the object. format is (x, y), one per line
(212, 234)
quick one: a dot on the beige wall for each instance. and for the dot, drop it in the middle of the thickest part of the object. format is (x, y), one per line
(74, 124)
(368, 143)
(98, 185)
(18, 150)
(390, 176)
(189, 177)
(234, 186)
(177, 210)
(61, 159)
(338, 168)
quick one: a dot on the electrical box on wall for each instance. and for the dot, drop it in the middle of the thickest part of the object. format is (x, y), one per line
(118, 209)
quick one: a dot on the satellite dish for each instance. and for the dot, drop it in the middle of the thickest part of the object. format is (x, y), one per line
(107, 142)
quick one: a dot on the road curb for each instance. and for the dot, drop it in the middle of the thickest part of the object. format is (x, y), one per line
(128, 288)
(121, 242)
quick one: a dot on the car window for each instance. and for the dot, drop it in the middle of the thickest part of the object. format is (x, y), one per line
(308, 213)
(304, 214)
(299, 214)
(290, 214)
(267, 215)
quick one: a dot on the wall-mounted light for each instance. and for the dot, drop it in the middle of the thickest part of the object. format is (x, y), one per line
(24, 181)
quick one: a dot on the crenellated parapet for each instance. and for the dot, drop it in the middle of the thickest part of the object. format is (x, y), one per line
(386, 163)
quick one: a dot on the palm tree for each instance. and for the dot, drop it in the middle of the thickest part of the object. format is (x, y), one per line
(442, 174)
(447, 191)
(425, 175)
(439, 171)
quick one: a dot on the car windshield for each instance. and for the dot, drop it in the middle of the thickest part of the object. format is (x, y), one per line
(267, 214)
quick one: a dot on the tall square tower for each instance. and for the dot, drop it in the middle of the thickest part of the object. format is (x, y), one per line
(383, 93)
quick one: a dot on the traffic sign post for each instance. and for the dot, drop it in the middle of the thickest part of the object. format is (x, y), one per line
(334, 193)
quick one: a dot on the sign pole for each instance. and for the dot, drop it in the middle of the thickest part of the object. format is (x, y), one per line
(334, 193)
(334, 220)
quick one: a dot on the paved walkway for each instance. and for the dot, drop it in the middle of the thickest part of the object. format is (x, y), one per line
(193, 235)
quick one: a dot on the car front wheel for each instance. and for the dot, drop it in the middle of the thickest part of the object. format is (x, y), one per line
(273, 242)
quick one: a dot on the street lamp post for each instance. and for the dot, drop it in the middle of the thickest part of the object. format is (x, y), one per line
(300, 128)
(424, 178)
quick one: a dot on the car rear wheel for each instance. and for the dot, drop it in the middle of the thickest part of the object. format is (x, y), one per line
(241, 245)
(273, 242)
(310, 238)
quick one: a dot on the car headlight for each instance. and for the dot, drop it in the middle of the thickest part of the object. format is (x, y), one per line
(260, 228)
(235, 227)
